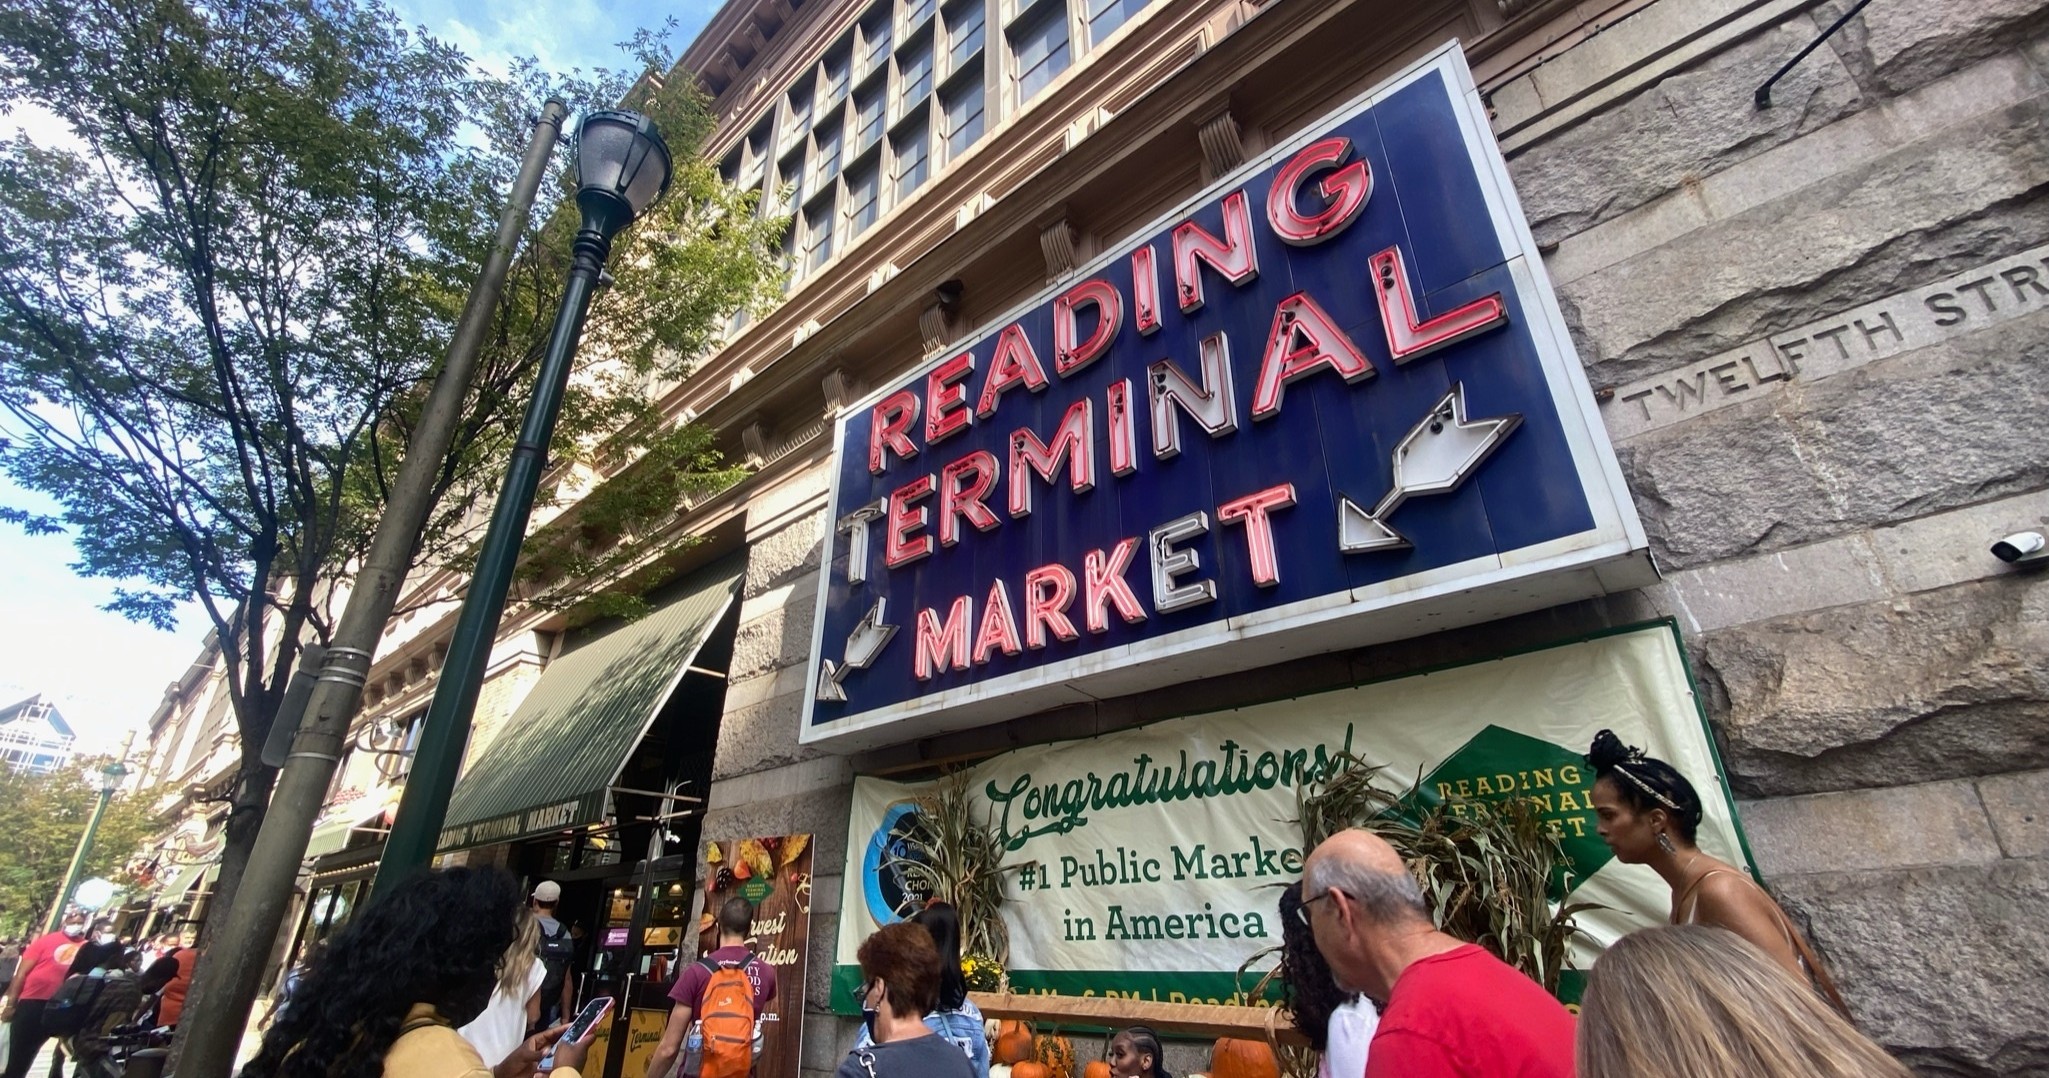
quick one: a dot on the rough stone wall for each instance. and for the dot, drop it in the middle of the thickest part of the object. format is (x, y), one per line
(1877, 681)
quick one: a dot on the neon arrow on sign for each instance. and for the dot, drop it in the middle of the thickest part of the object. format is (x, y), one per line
(864, 644)
(1435, 457)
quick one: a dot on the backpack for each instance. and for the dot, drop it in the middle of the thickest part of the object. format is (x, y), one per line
(556, 953)
(66, 1012)
(726, 1020)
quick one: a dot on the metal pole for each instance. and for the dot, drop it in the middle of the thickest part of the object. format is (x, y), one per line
(78, 856)
(416, 833)
(224, 988)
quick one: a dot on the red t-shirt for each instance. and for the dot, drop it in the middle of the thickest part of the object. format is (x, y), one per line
(1466, 1013)
(47, 962)
(689, 989)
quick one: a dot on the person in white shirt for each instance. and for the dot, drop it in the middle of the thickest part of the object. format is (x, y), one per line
(515, 1001)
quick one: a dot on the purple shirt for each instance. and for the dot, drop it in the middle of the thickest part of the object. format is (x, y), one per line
(689, 987)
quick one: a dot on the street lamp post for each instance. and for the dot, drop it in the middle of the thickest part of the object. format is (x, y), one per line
(110, 781)
(622, 168)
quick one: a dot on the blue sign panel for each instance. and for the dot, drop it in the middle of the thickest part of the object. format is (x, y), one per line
(1329, 402)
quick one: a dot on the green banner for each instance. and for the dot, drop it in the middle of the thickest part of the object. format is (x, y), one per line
(1150, 861)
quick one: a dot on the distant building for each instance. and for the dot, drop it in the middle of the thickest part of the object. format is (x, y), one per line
(34, 736)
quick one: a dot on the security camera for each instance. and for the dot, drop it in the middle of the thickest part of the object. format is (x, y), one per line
(2021, 547)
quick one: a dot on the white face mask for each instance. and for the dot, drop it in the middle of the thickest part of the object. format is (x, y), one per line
(75, 931)
(104, 938)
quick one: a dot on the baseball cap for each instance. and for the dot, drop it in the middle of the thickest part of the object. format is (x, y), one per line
(548, 891)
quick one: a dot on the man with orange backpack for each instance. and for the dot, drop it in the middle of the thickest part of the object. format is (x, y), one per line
(719, 1000)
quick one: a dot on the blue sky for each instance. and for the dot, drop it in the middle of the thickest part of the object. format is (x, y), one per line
(106, 673)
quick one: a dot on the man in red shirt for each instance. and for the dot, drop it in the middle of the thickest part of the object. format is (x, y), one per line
(44, 965)
(735, 925)
(1450, 1009)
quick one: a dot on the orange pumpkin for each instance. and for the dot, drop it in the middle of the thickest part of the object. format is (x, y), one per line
(1013, 1043)
(1232, 1058)
(1096, 1069)
(1030, 1069)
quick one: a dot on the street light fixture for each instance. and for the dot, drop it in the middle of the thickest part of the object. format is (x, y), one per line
(622, 167)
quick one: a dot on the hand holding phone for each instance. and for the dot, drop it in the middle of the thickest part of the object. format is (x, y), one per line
(570, 1049)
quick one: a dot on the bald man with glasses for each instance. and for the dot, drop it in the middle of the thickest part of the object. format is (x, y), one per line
(1449, 1009)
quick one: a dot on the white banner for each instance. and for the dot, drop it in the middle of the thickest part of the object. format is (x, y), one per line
(1153, 858)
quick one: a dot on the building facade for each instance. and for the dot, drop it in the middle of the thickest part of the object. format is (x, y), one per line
(34, 736)
(1806, 340)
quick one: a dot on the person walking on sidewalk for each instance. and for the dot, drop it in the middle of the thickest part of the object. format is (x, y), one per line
(43, 967)
(734, 925)
(1451, 1009)
(558, 958)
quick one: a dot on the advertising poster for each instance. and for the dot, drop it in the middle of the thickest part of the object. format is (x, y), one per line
(1149, 862)
(774, 876)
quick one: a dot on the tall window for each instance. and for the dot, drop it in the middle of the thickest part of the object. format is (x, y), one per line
(828, 155)
(916, 63)
(863, 196)
(837, 73)
(1105, 16)
(913, 156)
(874, 44)
(964, 22)
(817, 235)
(791, 175)
(916, 11)
(867, 119)
(800, 116)
(963, 115)
(1040, 43)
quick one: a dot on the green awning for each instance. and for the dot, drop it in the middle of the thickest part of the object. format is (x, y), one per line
(570, 738)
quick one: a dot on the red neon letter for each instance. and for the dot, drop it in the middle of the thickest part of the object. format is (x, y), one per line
(1145, 290)
(999, 628)
(1408, 338)
(898, 546)
(1231, 256)
(1048, 591)
(1074, 441)
(1303, 338)
(1010, 363)
(943, 647)
(962, 486)
(1259, 534)
(946, 400)
(1103, 583)
(1344, 193)
(887, 426)
(1123, 424)
(1070, 355)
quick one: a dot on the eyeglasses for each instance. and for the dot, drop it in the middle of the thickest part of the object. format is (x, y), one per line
(1302, 911)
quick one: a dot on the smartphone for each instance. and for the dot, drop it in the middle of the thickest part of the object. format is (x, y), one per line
(587, 1020)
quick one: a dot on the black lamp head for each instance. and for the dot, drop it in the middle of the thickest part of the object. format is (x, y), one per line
(622, 167)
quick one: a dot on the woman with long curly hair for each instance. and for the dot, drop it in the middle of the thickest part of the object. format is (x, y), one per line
(1693, 1001)
(386, 998)
(1339, 1024)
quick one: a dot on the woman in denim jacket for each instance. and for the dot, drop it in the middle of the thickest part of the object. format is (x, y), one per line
(956, 1019)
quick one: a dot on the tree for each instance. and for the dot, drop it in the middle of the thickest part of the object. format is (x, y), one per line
(43, 817)
(224, 302)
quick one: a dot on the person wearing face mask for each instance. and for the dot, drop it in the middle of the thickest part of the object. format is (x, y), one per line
(395, 984)
(42, 970)
(900, 985)
(175, 970)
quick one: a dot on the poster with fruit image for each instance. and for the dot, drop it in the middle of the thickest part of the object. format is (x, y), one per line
(774, 876)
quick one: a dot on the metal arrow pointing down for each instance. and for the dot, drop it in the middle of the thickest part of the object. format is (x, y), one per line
(1435, 457)
(864, 644)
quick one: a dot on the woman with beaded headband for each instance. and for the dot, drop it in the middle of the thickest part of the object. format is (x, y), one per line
(1648, 814)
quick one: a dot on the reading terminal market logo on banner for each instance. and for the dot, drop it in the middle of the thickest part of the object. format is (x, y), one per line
(1444, 447)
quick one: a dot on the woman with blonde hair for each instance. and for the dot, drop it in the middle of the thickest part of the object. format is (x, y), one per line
(1694, 1001)
(515, 1002)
